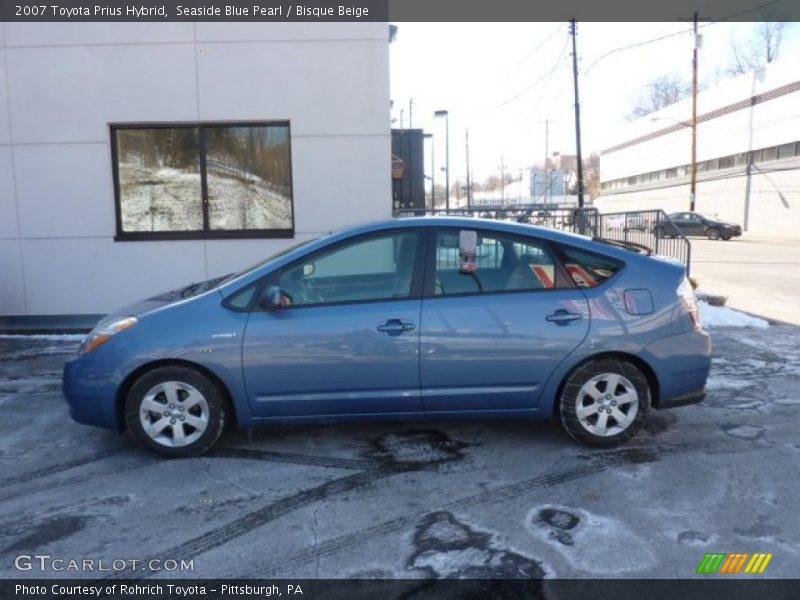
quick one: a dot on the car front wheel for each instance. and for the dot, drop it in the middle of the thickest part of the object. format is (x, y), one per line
(604, 402)
(175, 412)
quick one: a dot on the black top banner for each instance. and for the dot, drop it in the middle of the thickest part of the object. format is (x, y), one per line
(397, 10)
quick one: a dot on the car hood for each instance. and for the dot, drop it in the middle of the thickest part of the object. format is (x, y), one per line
(181, 294)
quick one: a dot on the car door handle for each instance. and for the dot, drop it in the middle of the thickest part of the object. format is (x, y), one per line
(395, 326)
(562, 317)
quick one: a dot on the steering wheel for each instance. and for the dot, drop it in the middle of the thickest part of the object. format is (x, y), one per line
(299, 293)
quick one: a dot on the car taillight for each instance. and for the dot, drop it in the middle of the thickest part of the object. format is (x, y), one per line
(686, 294)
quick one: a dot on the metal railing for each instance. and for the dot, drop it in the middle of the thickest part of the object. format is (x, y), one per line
(650, 228)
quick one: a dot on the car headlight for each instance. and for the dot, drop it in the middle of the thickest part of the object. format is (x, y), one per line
(100, 336)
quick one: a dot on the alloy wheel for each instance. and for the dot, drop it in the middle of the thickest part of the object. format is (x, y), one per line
(174, 414)
(607, 404)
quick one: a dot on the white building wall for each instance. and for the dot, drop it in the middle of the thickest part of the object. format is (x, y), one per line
(61, 84)
(774, 196)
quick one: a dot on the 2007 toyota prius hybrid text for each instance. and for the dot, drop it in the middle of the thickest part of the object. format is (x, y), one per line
(403, 319)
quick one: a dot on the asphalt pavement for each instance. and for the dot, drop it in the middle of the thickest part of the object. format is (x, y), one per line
(758, 275)
(416, 499)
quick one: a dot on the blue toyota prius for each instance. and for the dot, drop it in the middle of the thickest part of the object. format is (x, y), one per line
(403, 319)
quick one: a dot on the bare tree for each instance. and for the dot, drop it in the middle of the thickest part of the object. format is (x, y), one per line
(591, 175)
(660, 92)
(761, 49)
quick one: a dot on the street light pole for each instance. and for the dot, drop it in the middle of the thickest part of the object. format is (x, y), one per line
(433, 171)
(444, 113)
(693, 185)
(469, 181)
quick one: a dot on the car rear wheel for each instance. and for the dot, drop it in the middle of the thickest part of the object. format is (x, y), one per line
(175, 412)
(713, 233)
(604, 402)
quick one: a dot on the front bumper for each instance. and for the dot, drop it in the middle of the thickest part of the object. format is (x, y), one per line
(90, 393)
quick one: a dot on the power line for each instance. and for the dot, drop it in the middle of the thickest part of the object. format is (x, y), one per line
(539, 46)
(677, 33)
(548, 75)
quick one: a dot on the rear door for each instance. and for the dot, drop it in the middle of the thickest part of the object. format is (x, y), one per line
(491, 337)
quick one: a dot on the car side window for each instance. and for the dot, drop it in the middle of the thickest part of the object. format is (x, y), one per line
(377, 267)
(588, 269)
(502, 263)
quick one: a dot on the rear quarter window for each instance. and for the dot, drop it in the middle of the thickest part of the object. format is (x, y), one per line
(588, 269)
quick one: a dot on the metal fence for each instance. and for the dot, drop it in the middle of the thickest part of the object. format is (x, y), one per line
(651, 229)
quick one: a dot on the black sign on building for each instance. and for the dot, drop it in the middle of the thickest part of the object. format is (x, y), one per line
(408, 172)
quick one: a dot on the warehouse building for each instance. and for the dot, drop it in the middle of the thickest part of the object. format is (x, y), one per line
(137, 157)
(748, 155)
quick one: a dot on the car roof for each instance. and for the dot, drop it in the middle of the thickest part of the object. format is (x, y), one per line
(554, 235)
(545, 233)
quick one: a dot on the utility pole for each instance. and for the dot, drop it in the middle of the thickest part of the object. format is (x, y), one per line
(573, 32)
(433, 171)
(502, 181)
(401, 117)
(410, 112)
(446, 115)
(546, 157)
(693, 184)
(469, 180)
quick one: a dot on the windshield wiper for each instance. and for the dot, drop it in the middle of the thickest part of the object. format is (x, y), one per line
(203, 286)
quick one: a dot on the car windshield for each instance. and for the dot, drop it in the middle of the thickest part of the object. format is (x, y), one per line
(268, 259)
(195, 289)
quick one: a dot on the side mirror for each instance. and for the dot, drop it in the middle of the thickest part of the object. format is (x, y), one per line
(309, 269)
(271, 298)
(467, 250)
(467, 243)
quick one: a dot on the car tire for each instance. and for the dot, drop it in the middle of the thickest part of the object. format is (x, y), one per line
(713, 233)
(726, 236)
(595, 415)
(175, 412)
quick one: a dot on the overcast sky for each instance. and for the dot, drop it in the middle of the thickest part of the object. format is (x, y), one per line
(502, 80)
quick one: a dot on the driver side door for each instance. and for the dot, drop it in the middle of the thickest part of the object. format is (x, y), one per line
(346, 340)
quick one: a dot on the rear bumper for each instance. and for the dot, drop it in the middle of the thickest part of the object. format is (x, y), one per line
(684, 400)
(681, 363)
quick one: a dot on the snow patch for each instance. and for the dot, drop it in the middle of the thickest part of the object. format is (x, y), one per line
(788, 401)
(722, 316)
(746, 432)
(65, 337)
(717, 382)
(599, 545)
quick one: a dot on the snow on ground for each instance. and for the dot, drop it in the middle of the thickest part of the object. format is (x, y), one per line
(65, 337)
(722, 316)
